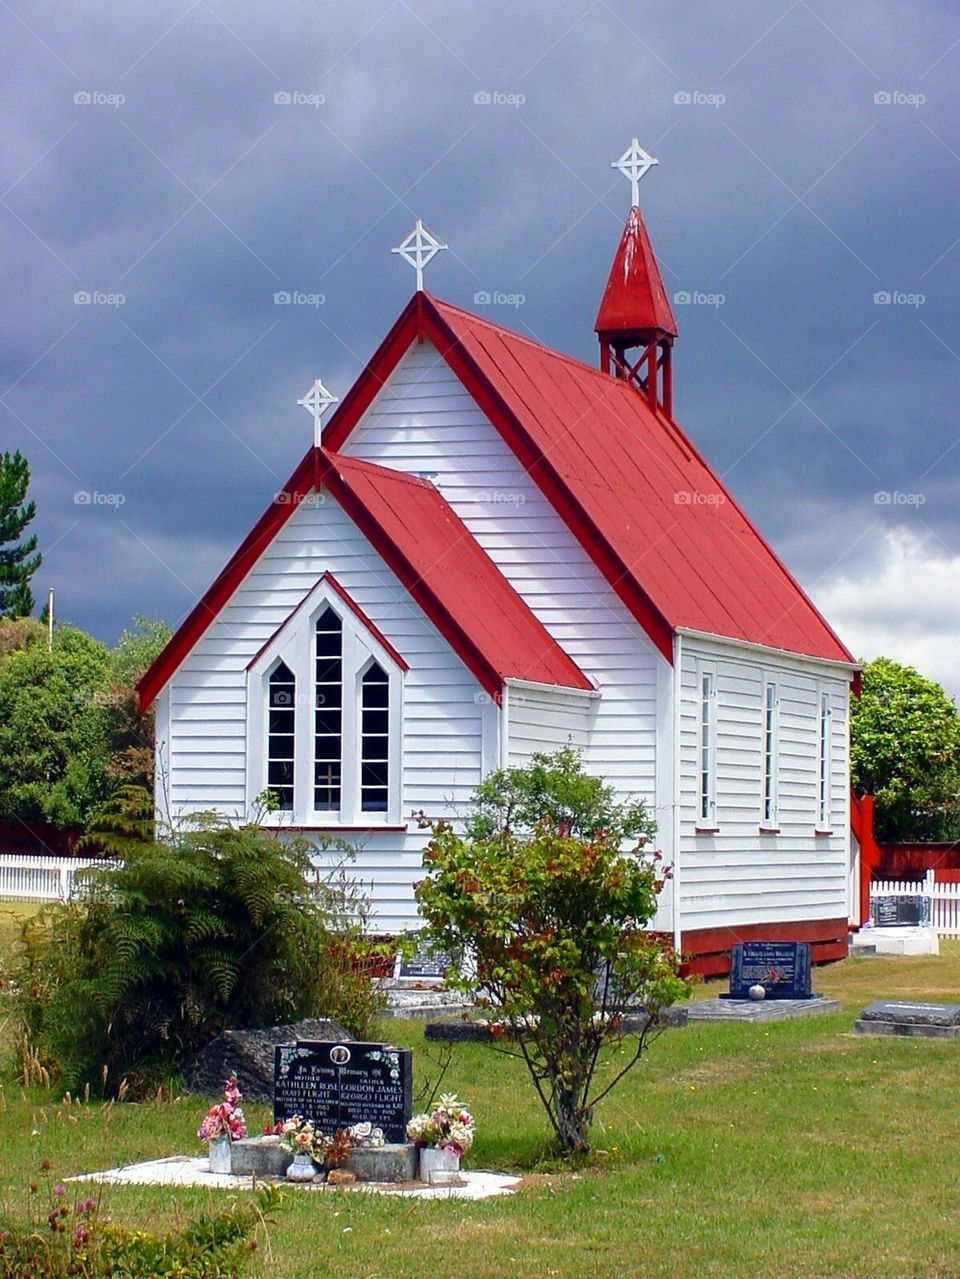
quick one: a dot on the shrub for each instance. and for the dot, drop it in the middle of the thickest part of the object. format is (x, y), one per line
(551, 925)
(59, 1238)
(213, 927)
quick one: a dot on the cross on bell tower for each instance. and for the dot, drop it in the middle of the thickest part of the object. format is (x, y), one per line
(635, 315)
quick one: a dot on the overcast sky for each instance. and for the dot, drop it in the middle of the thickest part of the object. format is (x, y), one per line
(196, 158)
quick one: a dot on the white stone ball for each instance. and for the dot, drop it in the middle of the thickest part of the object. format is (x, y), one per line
(758, 992)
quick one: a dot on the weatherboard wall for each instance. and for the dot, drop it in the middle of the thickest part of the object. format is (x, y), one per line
(734, 874)
(425, 423)
(449, 736)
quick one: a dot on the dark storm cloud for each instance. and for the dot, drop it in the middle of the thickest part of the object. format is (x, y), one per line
(785, 189)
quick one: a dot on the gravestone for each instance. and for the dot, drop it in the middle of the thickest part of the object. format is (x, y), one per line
(904, 910)
(782, 968)
(423, 964)
(903, 1017)
(336, 1085)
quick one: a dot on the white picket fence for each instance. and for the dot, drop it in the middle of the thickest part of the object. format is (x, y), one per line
(39, 879)
(944, 909)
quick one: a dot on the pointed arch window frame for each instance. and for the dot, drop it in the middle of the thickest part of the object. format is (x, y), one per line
(294, 644)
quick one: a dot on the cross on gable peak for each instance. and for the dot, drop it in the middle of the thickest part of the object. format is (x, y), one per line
(634, 164)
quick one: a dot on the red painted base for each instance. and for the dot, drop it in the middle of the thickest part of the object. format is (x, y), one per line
(706, 951)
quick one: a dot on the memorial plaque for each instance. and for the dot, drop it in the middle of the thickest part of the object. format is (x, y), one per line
(910, 910)
(782, 968)
(424, 964)
(907, 1012)
(335, 1085)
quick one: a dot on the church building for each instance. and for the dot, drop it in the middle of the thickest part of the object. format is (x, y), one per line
(493, 549)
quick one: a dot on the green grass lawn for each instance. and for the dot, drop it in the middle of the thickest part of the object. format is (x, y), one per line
(12, 915)
(795, 1149)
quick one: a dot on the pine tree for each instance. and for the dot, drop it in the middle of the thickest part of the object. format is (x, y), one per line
(18, 562)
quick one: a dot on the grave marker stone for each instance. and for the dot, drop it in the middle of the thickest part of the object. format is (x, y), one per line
(782, 968)
(911, 910)
(335, 1085)
(904, 1017)
(423, 964)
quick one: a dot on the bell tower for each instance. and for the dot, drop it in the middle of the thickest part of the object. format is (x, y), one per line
(635, 325)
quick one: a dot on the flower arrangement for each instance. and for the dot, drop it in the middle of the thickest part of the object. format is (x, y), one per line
(365, 1136)
(226, 1118)
(449, 1126)
(299, 1137)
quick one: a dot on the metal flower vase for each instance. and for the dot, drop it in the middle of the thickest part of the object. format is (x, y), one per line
(436, 1159)
(219, 1149)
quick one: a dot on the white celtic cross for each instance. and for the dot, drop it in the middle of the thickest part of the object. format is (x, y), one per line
(419, 248)
(316, 401)
(633, 164)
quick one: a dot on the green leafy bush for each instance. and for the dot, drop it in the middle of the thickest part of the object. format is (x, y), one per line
(53, 758)
(71, 732)
(59, 1238)
(905, 752)
(551, 924)
(212, 927)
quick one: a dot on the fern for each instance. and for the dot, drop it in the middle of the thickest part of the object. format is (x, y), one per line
(175, 939)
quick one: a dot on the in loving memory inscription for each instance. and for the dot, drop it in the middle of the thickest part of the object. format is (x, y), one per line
(337, 1085)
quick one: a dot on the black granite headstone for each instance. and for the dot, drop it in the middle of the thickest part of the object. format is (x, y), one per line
(782, 968)
(424, 964)
(889, 912)
(335, 1085)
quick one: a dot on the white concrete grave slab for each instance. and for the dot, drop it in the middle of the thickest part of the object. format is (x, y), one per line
(186, 1170)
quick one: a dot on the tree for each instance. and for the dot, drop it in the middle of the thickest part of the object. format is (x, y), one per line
(70, 729)
(130, 735)
(19, 562)
(555, 787)
(905, 751)
(53, 749)
(549, 914)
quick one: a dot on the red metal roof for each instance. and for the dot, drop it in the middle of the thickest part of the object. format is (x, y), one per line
(658, 523)
(449, 574)
(634, 303)
(417, 533)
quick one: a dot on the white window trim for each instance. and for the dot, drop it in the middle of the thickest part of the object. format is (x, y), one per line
(770, 823)
(295, 644)
(823, 824)
(706, 824)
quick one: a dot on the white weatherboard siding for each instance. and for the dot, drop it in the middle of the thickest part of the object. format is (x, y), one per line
(423, 422)
(738, 875)
(202, 754)
(544, 719)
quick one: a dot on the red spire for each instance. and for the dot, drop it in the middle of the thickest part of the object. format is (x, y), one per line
(634, 304)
